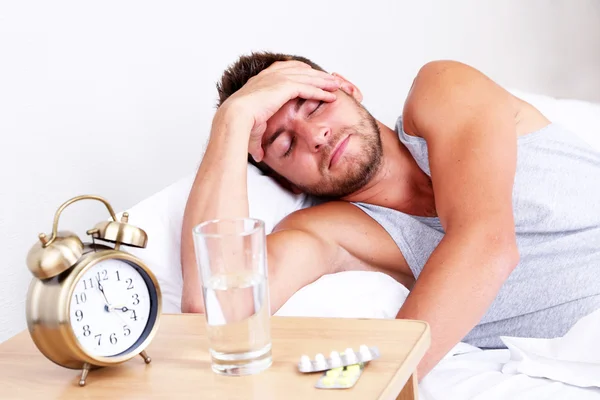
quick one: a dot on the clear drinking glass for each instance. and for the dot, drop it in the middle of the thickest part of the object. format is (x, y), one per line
(231, 255)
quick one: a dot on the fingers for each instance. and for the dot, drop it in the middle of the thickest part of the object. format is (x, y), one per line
(302, 73)
(322, 82)
(297, 68)
(256, 152)
(311, 92)
(255, 144)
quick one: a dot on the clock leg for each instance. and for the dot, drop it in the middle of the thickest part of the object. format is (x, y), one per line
(84, 374)
(145, 356)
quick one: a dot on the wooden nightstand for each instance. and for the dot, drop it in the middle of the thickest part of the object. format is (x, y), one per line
(180, 366)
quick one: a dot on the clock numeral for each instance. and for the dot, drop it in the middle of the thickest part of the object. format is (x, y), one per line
(86, 330)
(79, 315)
(85, 283)
(118, 277)
(102, 275)
(126, 330)
(129, 283)
(80, 298)
(99, 336)
(133, 316)
(113, 338)
(136, 299)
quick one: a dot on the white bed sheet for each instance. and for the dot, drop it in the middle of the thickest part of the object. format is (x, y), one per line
(477, 374)
(465, 373)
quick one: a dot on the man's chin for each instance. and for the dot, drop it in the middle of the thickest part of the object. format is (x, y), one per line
(334, 193)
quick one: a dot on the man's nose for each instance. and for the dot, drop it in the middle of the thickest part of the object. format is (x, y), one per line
(318, 137)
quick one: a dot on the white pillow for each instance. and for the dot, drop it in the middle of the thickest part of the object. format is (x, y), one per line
(580, 117)
(350, 294)
(347, 294)
(161, 216)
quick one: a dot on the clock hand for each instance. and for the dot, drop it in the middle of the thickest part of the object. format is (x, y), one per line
(103, 294)
(124, 309)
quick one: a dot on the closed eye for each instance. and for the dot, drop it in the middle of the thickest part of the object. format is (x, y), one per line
(316, 108)
(289, 150)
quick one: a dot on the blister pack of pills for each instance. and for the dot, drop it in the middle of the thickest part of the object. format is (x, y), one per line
(336, 360)
(340, 378)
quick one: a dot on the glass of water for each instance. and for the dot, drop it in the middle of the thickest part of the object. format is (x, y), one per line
(231, 255)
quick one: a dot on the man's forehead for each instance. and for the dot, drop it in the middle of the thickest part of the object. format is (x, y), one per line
(281, 118)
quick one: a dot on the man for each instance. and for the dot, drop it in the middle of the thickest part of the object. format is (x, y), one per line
(485, 210)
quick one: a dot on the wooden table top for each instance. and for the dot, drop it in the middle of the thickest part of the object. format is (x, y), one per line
(180, 366)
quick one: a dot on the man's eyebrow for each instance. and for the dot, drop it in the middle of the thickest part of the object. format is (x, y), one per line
(273, 138)
(299, 104)
(279, 131)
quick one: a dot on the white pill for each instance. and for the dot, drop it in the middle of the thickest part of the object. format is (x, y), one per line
(305, 361)
(335, 358)
(364, 351)
(320, 359)
(350, 355)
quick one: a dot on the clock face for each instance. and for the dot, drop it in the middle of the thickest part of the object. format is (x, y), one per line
(111, 307)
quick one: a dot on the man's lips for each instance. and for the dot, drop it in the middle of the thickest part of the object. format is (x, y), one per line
(339, 150)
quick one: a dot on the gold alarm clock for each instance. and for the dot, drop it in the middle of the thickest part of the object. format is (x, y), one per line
(90, 304)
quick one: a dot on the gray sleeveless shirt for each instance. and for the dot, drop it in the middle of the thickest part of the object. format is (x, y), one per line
(556, 204)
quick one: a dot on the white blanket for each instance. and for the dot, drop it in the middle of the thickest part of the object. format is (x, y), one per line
(573, 358)
(561, 368)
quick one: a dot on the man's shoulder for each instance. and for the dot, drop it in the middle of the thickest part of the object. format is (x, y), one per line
(445, 89)
(324, 215)
(335, 221)
(366, 244)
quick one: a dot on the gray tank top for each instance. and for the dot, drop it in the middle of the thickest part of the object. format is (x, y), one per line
(556, 204)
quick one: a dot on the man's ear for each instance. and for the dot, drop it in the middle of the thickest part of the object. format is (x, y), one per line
(349, 88)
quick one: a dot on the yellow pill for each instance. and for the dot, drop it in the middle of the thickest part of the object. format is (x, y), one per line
(342, 381)
(334, 372)
(349, 373)
(353, 368)
(327, 381)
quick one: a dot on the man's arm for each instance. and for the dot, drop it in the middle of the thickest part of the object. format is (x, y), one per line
(469, 123)
(325, 239)
(219, 191)
(220, 187)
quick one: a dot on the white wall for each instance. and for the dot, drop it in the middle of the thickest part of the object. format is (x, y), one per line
(115, 98)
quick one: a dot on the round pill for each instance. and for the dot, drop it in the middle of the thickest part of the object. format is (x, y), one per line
(320, 359)
(350, 356)
(353, 368)
(364, 351)
(335, 358)
(328, 381)
(305, 361)
(344, 382)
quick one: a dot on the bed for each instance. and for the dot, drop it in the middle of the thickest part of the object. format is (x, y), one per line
(523, 371)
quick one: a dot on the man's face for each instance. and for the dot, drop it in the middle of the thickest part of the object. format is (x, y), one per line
(324, 149)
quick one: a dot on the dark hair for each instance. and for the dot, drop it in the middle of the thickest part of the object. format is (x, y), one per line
(247, 66)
